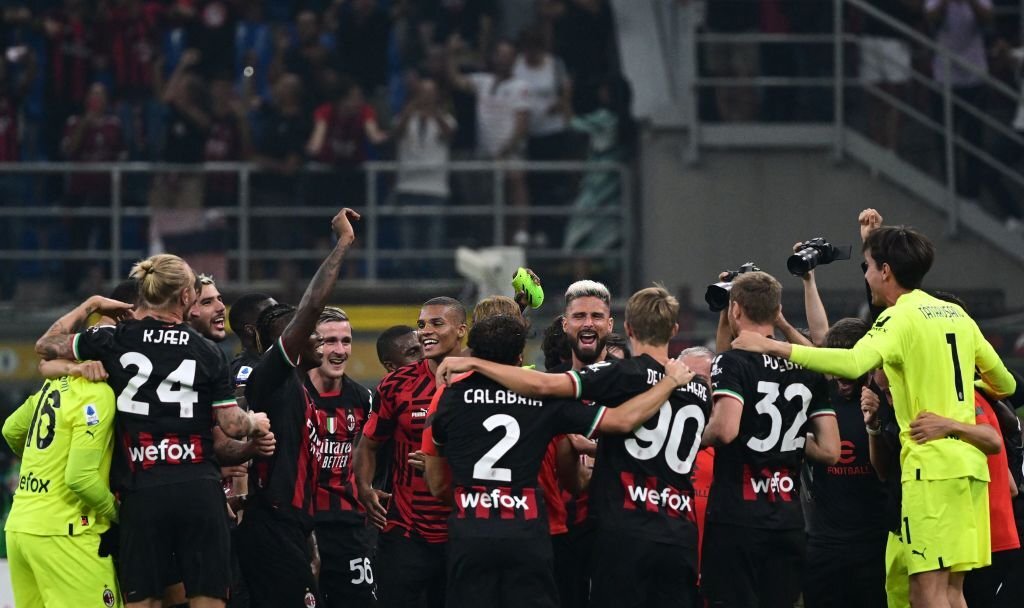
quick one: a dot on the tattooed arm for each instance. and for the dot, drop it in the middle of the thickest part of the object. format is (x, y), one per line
(56, 342)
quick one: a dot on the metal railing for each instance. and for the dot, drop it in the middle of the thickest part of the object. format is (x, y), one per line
(838, 43)
(376, 204)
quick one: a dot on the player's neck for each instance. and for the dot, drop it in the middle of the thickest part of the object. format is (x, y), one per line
(170, 316)
(578, 365)
(765, 329)
(657, 352)
(894, 294)
(322, 383)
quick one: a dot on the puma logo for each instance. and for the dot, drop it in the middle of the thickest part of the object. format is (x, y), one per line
(921, 553)
(882, 322)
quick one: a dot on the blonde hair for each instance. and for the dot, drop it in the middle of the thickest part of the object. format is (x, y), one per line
(652, 314)
(759, 294)
(494, 306)
(161, 277)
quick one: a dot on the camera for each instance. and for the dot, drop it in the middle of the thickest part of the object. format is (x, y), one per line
(717, 295)
(814, 252)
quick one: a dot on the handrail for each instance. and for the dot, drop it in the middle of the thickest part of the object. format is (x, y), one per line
(553, 166)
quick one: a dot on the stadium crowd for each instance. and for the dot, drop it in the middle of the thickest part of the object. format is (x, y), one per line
(293, 85)
(866, 462)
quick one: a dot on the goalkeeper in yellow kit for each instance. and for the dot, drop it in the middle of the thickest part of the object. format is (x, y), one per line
(64, 436)
(930, 350)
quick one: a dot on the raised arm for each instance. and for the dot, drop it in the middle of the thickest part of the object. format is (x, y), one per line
(297, 333)
(817, 318)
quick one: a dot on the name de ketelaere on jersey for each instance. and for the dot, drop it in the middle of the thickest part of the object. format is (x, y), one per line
(494, 440)
(641, 482)
(757, 475)
(340, 416)
(399, 411)
(167, 380)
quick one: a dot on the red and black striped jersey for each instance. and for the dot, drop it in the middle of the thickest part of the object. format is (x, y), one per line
(287, 480)
(548, 481)
(399, 413)
(494, 441)
(168, 380)
(340, 417)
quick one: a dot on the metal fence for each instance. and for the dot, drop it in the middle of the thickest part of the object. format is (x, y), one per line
(484, 212)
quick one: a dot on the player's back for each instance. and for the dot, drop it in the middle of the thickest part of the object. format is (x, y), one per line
(168, 380)
(494, 441)
(43, 503)
(756, 476)
(641, 482)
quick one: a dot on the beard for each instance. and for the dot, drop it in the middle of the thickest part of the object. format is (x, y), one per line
(586, 356)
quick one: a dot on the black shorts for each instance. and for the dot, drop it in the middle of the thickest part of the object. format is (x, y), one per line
(346, 564)
(845, 575)
(175, 532)
(501, 572)
(634, 572)
(410, 572)
(573, 556)
(745, 567)
(273, 550)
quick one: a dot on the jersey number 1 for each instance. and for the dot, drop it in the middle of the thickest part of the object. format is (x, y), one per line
(958, 378)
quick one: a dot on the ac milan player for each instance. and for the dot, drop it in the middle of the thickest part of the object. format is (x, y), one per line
(242, 318)
(641, 496)
(493, 439)
(344, 536)
(397, 346)
(587, 323)
(171, 384)
(767, 412)
(275, 543)
(411, 556)
(207, 314)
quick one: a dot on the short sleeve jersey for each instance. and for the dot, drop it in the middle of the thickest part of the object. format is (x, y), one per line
(340, 416)
(168, 380)
(929, 350)
(65, 411)
(494, 441)
(286, 481)
(399, 413)
(757, 475)
(641, 483)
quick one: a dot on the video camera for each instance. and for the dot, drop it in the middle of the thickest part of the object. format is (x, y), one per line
(816, 251)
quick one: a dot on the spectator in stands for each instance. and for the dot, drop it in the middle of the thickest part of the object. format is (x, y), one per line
(364, 31)
(70, 54)
(13, 89)
(227, 139)
(254, 49)
(612, 132)
(342, 130)
(423, 133)
(471, 20)
(129, 38)
(211, 31)
(309, 56)
(885, 63)
(1006, 149)
(582, 33)
(502, 119)
(94, 136)
(733, 59)
(549, 95)
(959, 27)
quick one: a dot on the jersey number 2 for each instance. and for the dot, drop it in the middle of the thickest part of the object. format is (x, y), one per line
(184, 377)
(484, 468)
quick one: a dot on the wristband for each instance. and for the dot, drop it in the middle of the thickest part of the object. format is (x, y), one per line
(874, 432)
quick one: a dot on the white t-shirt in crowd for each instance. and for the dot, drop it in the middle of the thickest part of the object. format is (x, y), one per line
(496, 109)
(544, 85)
(422, 143)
